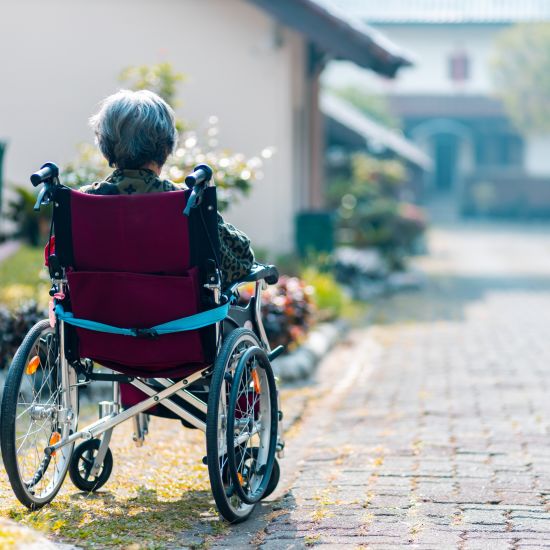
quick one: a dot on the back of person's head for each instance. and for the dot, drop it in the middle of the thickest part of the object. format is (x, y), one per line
(134, 129)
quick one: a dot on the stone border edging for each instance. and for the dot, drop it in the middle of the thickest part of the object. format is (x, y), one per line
(300, 364)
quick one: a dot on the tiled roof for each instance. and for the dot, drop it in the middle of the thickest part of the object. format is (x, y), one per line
(447, 11)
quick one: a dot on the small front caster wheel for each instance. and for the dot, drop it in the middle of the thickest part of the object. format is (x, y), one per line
(275, 474)
(82, 463)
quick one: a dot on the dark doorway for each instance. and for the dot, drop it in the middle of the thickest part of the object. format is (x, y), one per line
(446, 159)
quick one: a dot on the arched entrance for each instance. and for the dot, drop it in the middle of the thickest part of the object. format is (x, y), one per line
(450, 145)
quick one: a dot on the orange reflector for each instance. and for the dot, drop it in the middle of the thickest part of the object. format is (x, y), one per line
(241, 479)
(33, 365)
(256, 380)
(55, 438)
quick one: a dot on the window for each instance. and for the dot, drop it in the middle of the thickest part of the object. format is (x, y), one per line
(499, 150)
(459, 67)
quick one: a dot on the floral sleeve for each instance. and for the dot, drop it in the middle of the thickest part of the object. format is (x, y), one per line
(237, 258)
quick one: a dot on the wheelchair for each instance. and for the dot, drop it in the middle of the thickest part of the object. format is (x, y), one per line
(137, 288)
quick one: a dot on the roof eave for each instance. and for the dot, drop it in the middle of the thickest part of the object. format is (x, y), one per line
(340, 36)
(349, 116)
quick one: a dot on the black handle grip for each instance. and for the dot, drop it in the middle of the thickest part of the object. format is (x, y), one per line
(48, 171)
(201, 173)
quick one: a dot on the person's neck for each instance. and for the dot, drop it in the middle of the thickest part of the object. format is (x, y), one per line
(153, 166)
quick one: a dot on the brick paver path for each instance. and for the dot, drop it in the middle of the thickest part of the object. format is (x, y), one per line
(431, 427)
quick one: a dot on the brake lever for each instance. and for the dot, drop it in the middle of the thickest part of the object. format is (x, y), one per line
(194, 198)
(43, 198)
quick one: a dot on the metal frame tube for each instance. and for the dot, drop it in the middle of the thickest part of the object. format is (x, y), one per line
(109, 422)
(258, 314)
(185, 395)
(180, 411)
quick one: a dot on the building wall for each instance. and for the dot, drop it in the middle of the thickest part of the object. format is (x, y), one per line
(430, 46)
(60, 58)
(537, 155)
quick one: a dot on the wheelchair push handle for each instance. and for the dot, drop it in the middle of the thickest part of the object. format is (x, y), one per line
(197, 181)
(48, 172)
(201, 174)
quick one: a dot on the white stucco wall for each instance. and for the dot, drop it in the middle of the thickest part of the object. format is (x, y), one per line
(537, 155)
(431, 47)
(61, 57)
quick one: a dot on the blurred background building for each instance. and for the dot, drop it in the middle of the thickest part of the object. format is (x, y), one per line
(447, 102)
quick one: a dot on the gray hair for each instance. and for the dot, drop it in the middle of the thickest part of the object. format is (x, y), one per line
(135, 128)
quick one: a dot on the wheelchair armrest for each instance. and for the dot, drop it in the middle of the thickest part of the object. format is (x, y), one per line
(267, 272)
(258, 272)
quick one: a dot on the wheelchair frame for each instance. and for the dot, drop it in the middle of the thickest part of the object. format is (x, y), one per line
(110, 412)
(159, 390)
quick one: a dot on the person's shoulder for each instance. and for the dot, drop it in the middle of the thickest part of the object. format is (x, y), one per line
(168, 185)
(101, 188)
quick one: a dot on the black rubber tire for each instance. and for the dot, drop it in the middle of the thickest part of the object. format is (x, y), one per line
(84, 484)
(273, 479)
(217, 483)
(260, 356)
(8, 416)
(275, 475)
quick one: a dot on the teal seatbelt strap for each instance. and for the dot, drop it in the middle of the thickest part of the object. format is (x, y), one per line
(193, 322)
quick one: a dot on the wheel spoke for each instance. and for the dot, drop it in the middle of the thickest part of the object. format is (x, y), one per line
(35, 402)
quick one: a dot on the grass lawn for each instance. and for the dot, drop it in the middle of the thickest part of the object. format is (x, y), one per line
(23, 277)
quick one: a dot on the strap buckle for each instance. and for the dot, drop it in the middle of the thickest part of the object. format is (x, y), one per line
(149, 333)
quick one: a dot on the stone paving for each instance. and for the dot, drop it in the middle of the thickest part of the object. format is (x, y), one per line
(430, 428)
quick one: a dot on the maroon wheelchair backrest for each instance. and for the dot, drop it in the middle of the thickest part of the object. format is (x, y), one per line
(137, 233)
(135, 262)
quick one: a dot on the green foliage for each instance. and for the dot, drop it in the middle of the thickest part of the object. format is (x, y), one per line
(234, 172)
(32, 226)
(328, 295)
(14, 325)
(89, 167)
(161, 79)
(521, 75)
(24, 278)
(369, 178)
(369, 211)
(372, 105)
(23, 298)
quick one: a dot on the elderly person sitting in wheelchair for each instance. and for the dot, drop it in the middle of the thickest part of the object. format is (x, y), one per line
(136, 133)
(140, 292)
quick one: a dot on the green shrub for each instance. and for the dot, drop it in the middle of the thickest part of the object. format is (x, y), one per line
(370, 212)
(23, 277)
(329, 297)
(14, 326)
(32, 226)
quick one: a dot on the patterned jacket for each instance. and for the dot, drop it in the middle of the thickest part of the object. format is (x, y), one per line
(237, 257)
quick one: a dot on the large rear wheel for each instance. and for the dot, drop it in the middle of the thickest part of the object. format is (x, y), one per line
(36, 412)
(252, 425)
(247, 403)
